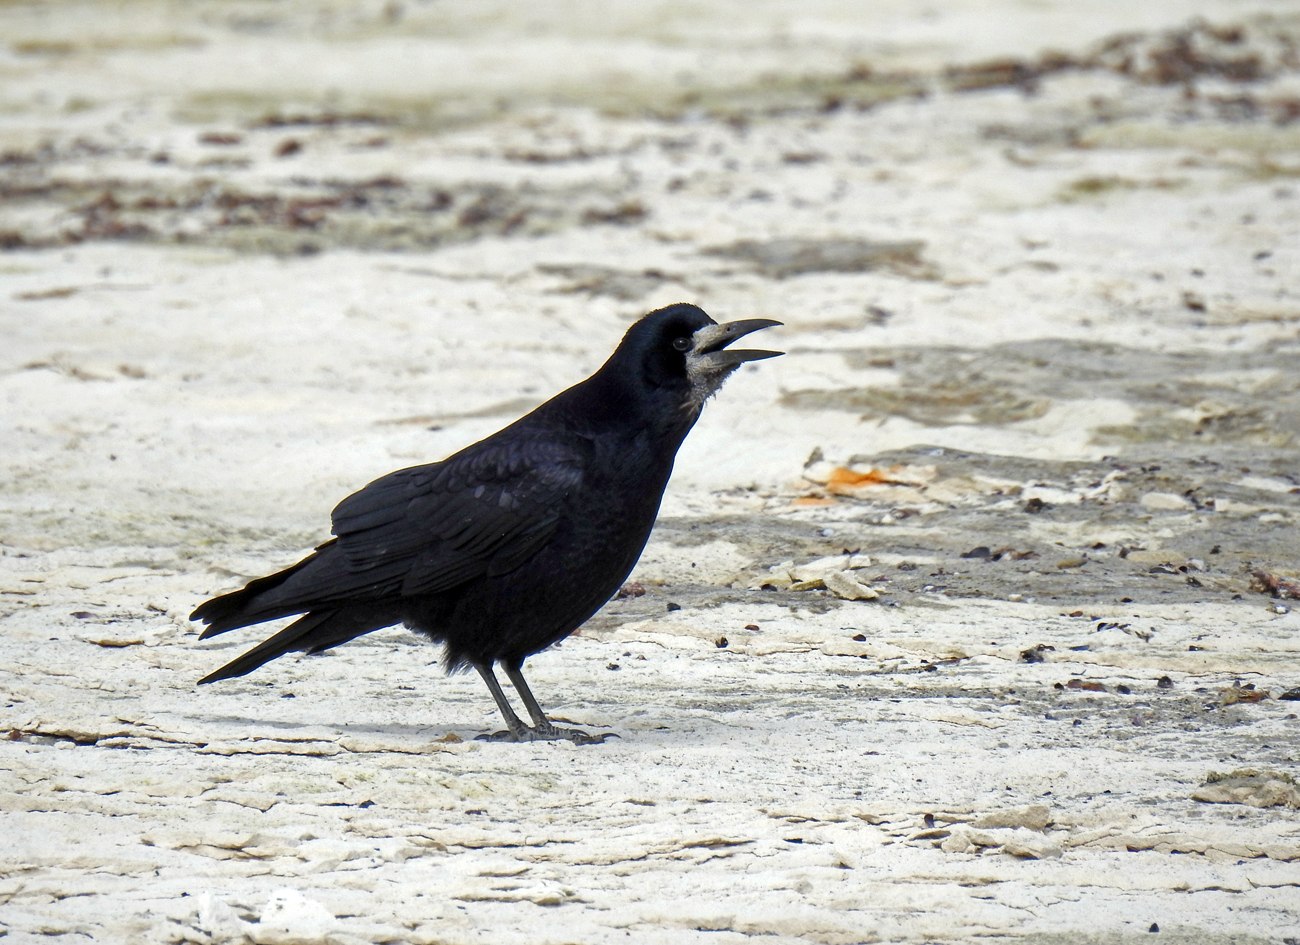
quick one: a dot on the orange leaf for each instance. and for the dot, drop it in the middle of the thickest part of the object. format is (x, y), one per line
(812, 501)
(843, 476)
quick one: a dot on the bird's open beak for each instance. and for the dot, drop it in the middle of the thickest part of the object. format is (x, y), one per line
(711, 343)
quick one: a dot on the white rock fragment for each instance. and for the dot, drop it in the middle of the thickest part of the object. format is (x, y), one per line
(847, 585)
(1029, 846)
(1031, 817)
(1017, 842)
(821, 573)
(819, 567)
(218, 920)
(1252, 788)
(290, 918)
(1166, 502)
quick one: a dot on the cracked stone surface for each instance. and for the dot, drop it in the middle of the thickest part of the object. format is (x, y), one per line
(971, 619)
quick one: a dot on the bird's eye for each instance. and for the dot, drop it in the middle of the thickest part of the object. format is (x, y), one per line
(681, 344)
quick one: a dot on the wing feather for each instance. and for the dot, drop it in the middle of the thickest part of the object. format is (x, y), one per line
(484, 511)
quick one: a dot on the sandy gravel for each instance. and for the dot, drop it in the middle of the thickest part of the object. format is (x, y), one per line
(970, 619)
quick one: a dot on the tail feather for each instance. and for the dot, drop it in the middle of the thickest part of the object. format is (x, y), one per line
(322, 581)
(288, 639)
(320, 588)
(313, 632)
(255, 603)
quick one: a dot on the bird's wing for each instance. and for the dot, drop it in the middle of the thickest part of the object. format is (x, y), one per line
(483, 511)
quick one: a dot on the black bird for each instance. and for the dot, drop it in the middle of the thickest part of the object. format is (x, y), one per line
(509, 545)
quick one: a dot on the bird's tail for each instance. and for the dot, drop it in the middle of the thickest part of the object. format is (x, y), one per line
(313, 632)
(327, 619)
(255, 603)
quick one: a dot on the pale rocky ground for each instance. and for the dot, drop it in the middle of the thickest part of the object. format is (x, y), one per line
(1043, 322)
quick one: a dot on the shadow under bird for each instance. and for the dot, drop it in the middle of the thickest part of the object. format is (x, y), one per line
(511, 544)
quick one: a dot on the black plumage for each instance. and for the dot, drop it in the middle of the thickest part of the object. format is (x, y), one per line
(509, 545)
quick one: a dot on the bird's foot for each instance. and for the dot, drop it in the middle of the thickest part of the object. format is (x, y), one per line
(553, 733)
(505, 735)
(547, 733)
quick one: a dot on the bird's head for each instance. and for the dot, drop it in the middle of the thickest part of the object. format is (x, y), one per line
(683, 350)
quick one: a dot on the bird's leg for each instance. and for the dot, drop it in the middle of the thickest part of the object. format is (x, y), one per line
(518, 731)
(544, 728)
(516, 676)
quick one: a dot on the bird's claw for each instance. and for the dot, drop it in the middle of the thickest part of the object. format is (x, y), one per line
(579, 737)
(547, 733)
